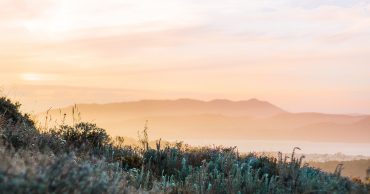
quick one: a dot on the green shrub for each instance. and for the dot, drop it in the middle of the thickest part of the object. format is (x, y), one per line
(9, 111)
(84, 134)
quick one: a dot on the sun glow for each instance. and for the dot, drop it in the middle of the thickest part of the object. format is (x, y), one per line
(31, 77)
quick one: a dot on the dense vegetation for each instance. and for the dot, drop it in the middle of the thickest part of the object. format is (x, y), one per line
(83, 158)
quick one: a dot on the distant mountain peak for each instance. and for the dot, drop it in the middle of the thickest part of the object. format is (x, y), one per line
(250, 108)
(222, 118)
(219, 100)
(254, 100)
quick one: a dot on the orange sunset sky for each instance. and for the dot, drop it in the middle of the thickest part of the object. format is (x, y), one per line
(300, 55)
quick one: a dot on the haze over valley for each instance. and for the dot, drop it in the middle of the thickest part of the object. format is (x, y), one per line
(249, 124)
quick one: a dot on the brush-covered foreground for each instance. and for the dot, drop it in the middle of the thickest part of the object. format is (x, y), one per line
(83, 158)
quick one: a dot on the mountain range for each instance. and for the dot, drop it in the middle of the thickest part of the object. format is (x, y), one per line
(218, 119)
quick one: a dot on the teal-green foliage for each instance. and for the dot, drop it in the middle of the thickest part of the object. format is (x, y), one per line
(83, 159)
(10, 112)
(64, 175)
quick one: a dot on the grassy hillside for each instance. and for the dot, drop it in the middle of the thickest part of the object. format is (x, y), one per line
(83, 158)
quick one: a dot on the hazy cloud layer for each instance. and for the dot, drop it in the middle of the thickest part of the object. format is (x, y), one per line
(283, 51)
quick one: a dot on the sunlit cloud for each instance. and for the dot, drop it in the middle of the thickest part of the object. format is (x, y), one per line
(31, 77)
(37, 77)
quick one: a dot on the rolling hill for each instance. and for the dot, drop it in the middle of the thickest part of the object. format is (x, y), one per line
(219, 119)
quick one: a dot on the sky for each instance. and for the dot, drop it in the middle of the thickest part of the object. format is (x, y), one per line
(307, 55)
